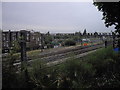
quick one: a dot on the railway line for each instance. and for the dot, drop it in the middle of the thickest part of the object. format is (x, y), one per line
(56, 57)
(65, 54)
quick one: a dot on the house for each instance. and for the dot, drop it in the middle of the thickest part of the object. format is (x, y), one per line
(33, 39)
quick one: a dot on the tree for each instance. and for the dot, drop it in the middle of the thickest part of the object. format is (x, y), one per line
(48, 33)
(88, 34)
(70, 42)
(111, 14)
(84, 32)
(95, 34)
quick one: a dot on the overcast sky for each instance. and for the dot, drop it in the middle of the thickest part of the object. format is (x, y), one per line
(59, 17)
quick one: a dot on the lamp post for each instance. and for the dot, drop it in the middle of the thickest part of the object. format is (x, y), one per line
(23, 45)
(23, 40)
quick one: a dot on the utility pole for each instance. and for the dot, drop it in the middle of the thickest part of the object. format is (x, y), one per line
(42, 42)
(23, 35)
(9, 40)
(23, 45)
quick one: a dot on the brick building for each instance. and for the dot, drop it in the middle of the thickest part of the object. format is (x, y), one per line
(33, 40)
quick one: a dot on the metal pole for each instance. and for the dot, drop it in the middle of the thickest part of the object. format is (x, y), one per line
(23, 35)
(23, 45)
(9, 40)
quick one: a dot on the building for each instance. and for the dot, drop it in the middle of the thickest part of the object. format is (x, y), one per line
(33, 39)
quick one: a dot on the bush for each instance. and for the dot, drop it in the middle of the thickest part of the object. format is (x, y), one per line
(50, 45)
(38, 74)
(9, 72)
(107, 66)
(76, 73)
(70, 43)
(101, 60)
(98, 69)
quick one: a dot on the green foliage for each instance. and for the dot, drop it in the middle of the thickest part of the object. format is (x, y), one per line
(96, 34)
(106, 64)
(9, 70)
(50, 45)
(11, 77)
(98, 69)
(16, 47)
(85, 32)
(77, 38)
(38, 73)
(77, 72)
(111, 13)
(70, 42)
(48, 39)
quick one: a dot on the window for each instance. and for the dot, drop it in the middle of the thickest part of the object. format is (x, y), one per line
(7, 45)
(33, 37)
(28, 36)
(38, 39)
(4, 37)
(4, 44)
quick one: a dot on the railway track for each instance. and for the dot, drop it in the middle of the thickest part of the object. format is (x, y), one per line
(57, 56)
(68, 53)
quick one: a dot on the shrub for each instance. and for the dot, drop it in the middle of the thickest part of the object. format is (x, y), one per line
(107, 66)
(76, 73)
(98, 69)
(70, 42)
(39, 73)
